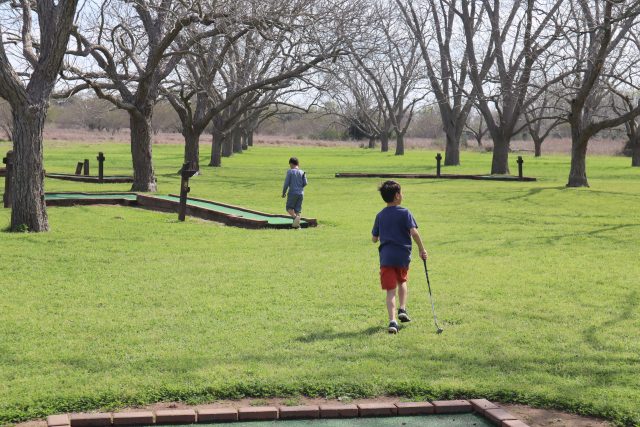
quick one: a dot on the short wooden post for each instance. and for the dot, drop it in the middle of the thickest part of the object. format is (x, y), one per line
(520, 162)
(86, 167)
(100, 159)
(79, 168)
(6, 197)
(185, 173)
(438, 159)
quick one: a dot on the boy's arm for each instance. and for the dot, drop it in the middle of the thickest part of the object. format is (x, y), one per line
(304, 179)
(286, 184)
(374, 239)
(416, 237)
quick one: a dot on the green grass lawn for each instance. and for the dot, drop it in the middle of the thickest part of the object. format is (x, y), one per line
(535, 284)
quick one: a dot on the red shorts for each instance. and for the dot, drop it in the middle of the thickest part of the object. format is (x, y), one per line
(391, 277)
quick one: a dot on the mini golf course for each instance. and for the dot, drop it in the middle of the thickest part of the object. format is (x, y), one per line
(113, 179)
(444, 413)
(199, 208)
(434, 176)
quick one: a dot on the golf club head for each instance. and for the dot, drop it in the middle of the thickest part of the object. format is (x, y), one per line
(439, 331)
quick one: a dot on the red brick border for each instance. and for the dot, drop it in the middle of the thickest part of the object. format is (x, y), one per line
(175, 416)
(133, 418)
(217, 415)
(258, 413)
(299, 412)
(377, 409)
(452, 406)
(482, 407)
(338, 411)
(415, 408)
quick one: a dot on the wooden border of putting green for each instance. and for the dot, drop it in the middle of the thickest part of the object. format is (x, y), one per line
(481, 407)
(159, 204)
(93, 179)
(92, 200)
(156, 203)
(433, 176)
(310, 222)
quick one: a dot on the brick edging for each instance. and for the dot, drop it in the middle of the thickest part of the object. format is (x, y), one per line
(482, 407)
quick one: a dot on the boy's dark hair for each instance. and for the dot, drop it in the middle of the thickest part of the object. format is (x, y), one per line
(388, 190)
(293, 161)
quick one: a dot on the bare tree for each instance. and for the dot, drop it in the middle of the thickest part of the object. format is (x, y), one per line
(31, 55)
(434, 25)
(134, 50)
(542, 118)
(502, 58)
(354, 103)
(599, 38)
(255, 56)
(476, 126)
(387, 58)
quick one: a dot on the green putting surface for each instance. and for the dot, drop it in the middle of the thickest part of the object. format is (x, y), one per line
(106, 196)
(453, 420)
(232, 211)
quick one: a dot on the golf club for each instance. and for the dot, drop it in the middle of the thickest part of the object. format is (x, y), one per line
(435, 319)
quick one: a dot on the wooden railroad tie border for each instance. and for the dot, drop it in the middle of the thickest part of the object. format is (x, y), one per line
(482, 407)
(507, 178)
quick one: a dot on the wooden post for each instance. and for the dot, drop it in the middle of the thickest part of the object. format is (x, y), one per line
(6, 197)
(520, 162)
(100, 159)
(86, 167)
(186, 173)
(438, 159)
(79, 168)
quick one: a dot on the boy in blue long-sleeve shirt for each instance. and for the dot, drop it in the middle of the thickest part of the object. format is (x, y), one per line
(295, 182)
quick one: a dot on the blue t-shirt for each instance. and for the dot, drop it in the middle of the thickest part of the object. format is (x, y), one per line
(392, 226)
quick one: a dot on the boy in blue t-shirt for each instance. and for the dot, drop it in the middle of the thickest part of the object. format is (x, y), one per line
(295, 181)
(394, 227)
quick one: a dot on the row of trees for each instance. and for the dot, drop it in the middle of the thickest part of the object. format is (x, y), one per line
(226, 65)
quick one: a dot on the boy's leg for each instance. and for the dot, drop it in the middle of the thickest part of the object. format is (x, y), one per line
(403, 292)
(391, 304)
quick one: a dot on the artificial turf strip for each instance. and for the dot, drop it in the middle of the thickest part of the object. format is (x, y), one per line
(455, 420)
(232, 211)
(66, 196)
(535, 284)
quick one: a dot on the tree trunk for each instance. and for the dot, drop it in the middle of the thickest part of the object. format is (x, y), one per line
(245, 141)
(384, 142)
(216, 149)
(236, 136)
(143, 175)
(500, 162)
(227, 145)
(372, 142)
(635, 152)
(537, 146)
(192, 149)
(250, 139)
(399, 144)
(578, 172)
(452, 149)
(28, 206)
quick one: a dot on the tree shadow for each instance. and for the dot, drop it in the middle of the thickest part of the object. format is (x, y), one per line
(327, 335)
(629, 307)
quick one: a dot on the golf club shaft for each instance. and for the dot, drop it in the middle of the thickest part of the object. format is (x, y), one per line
(433, 309)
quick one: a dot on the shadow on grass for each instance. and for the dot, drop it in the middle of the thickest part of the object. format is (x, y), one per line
(629, 307)
(533, 192)
(329, 335)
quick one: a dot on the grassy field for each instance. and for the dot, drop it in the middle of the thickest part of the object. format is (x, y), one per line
(535, 284)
